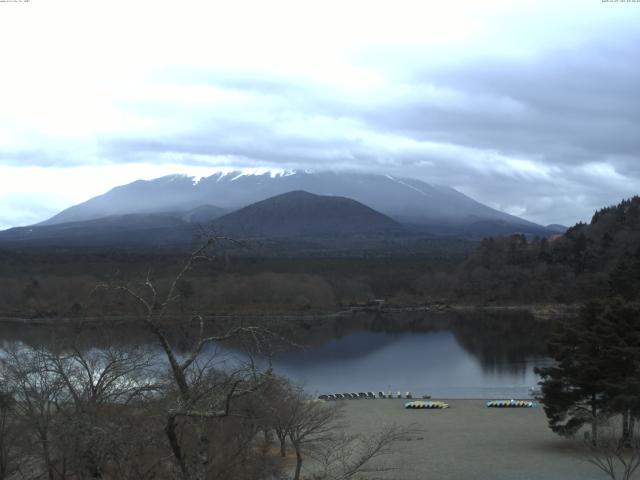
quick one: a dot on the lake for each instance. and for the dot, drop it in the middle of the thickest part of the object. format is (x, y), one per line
(423, 363)
(446, 356)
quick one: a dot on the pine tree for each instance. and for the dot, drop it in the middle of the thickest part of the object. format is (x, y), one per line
(573, 389)
(624, 280)
(597, 370)
(621, 334)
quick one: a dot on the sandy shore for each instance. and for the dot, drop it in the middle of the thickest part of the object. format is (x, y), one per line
(471, 442)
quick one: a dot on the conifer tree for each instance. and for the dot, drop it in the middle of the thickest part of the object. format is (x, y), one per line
(573, 389)
(597, 369)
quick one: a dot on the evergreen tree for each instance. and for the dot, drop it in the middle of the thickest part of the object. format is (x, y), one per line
(621, 335)
(597, 370)
(574, 388)
(624, 280)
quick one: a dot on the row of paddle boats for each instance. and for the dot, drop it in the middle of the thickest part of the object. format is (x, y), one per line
(422, 404)
(418, 404)
(511, 404)
(366, 395)
(492, 404)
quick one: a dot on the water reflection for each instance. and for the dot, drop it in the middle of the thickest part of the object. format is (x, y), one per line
(453, 355)
(447, 355)
(434, 363)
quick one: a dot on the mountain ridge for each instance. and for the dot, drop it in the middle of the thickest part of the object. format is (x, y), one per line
(409, 201)
(303, 214)
(294, 221)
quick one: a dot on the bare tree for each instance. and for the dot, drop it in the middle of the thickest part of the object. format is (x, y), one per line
(74, 406)
(100, 385)
(317, 432)
(109, 375)
(312, 423)
(346, 457)
(281, 403)
(10, 435)
(616, 457)
(37, 395)
(200, 392)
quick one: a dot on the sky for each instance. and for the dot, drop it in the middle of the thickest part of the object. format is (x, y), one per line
(531, 107)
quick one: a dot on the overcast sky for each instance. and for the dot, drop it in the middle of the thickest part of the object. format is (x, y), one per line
(532, 107)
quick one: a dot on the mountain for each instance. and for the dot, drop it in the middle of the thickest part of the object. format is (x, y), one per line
(166, 194)
(430, 207)
(203, 214)
(133, 229)
(292, 222)
(303, 214)
(116, 230)
(556, 228)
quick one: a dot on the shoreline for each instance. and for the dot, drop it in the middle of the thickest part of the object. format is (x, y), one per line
(540, 312)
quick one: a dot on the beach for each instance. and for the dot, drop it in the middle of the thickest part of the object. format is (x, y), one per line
(472, 442)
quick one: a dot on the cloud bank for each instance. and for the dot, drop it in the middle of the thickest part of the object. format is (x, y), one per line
(529, 107)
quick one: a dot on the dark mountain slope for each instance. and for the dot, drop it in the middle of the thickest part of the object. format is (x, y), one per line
(295, 222)
(304, 215)
(203, 214)
(166, 228)
(113, 231)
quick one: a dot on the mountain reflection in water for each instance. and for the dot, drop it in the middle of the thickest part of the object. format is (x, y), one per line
(446, 356)
(433, 363)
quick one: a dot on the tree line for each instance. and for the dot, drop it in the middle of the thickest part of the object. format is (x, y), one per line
(588, 261)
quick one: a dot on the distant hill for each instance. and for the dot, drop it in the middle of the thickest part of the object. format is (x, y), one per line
(303, 214)
(294, 223)
(554, 227)
(133, 230)
(130, 230)
(433, 208)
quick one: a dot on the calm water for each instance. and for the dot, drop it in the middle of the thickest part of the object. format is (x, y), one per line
(455, 358)
(446, 357)
(433, 363)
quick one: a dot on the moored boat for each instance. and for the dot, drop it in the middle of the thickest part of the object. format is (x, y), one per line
(510, 404)
(419, 404)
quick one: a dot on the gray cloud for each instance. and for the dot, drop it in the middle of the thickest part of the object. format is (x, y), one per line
(572, 105)
(550, 137)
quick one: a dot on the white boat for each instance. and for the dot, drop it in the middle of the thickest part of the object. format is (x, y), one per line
(535, 392)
